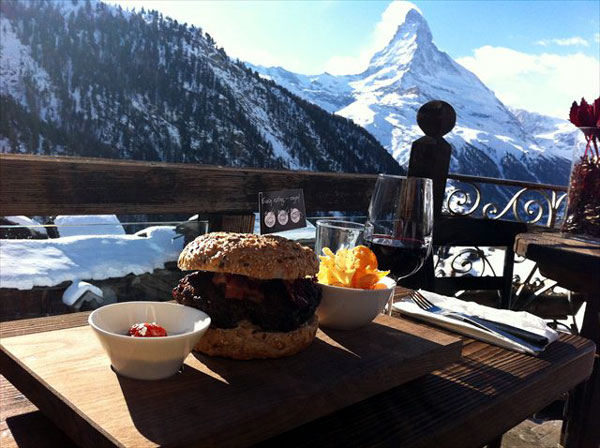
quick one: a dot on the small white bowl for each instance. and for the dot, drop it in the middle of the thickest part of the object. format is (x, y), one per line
(149, 358)
(349, 308)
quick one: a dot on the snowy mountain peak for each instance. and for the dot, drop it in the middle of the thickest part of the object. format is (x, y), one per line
(412, 34)
(488, 140)
(414, 24)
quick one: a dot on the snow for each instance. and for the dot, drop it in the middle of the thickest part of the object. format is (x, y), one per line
(360, 112)
(67, 7)
(554, 136)
(97, 248)
(73, 225)
(251, 100)
(333, 91)
(4, 145)
(77, 289)
(280, 151)
(173, 132)
(467, 134)
(29, 263)
(25, 221)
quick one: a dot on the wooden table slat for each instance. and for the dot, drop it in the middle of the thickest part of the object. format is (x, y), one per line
(41, 324)
(456, 409)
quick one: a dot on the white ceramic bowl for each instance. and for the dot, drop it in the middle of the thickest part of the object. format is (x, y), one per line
(349, 308)
(150, 358)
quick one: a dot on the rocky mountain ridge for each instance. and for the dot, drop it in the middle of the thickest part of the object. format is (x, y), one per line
(80, 77)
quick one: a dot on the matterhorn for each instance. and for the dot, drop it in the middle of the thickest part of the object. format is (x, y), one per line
(488, 140)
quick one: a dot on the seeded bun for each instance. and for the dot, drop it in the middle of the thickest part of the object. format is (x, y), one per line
(259, 256)
(247, 341)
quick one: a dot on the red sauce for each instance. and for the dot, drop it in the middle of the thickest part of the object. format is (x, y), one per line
(146, 330)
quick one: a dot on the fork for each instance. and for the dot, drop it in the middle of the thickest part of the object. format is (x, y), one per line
(515, 331)
(421, 301)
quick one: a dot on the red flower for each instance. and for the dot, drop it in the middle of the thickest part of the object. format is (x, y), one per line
(585, 115)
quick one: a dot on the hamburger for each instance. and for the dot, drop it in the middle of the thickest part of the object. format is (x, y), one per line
(260, 292)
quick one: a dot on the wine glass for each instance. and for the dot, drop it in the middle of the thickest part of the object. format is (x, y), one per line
(337, 234)
(400, 223)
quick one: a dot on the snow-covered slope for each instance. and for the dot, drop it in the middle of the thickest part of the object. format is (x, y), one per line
(330, 92)
(86, 78)
(16, 63)
(488, 140)
(555, 135)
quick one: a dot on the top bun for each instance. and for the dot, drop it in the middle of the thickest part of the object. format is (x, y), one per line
(258, 256)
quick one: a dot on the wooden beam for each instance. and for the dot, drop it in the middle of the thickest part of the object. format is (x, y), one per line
(42, 185)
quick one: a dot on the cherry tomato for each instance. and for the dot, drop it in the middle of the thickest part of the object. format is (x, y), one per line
(146, 330)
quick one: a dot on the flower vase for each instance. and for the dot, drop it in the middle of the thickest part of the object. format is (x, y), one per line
(582, 219)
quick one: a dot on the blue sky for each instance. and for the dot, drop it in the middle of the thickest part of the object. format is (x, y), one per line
(537, 55)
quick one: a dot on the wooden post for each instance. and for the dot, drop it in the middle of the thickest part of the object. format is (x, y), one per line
(430, 155)
(430, 158)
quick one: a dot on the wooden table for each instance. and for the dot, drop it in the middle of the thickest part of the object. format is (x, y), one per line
(467, 404)
(575, 265)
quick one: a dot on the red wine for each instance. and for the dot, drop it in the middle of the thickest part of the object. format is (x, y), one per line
(401, 256)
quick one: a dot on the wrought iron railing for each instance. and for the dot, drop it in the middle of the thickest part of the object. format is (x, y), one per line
(535, 204)
(528, 202)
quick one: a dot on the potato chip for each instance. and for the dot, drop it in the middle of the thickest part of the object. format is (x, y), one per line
(350, 268)
(364, 258)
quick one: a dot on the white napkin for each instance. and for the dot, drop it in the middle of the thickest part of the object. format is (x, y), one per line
(520, 319)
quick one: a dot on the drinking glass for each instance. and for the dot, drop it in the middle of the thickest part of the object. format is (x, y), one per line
(400, 223)
(337, 234)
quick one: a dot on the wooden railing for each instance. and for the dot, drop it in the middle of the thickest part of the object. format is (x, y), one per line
(41, 185)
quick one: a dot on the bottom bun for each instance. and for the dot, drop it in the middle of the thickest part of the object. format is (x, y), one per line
(247, 341)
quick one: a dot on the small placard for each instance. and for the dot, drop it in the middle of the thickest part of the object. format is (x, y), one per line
(281, 210)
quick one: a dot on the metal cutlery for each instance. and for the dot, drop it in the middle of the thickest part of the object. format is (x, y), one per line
(482, 324)
(519, 332)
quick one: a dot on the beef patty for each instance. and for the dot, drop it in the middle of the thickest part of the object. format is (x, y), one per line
(273, 305)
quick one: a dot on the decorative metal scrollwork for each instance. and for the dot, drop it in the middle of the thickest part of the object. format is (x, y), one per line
(463, 263)
(530, 204)
(458, 198)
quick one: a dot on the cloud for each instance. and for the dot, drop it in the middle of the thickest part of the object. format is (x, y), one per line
(546, 83)
(393, 16)
(384, 31)
(567, 42)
